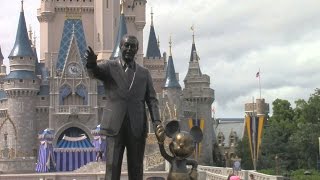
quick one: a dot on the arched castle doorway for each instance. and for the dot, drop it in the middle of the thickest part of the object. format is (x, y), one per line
(72, 132)
(72, 129)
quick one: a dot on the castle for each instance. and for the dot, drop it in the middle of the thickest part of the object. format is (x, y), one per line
(54, 91)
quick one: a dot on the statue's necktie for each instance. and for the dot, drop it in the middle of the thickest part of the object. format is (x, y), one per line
(130, 74)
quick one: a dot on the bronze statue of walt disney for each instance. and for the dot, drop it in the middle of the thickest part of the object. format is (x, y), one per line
(128, 88)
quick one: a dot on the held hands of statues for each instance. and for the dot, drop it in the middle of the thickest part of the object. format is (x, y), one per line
(90, 57)
(160, 134)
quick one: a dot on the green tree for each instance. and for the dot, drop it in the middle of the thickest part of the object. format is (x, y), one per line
(276, 137)
(243, 152)
(305, 138)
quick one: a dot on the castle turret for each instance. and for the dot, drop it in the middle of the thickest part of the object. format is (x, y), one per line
(153, 60)
(172, 88)
(21, 87)
(153, 50)
(45, 17)
(197, 99)
(135, 11)
(106, 17)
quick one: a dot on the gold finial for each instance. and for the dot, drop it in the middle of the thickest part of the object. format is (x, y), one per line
(192, 29)
(170, 46)
(151, 16)
(158, 42)
(122, 8)
(21, 5)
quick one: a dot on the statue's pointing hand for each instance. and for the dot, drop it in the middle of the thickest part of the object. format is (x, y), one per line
(90, 57)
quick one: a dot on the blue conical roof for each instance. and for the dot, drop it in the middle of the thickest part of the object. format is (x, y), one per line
(22, 46)
(171, 79)
(153, 49)
(121, 32)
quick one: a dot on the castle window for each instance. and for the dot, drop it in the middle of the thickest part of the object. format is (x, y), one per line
(20, 80)
(33, 81)
(8, 82)
(43, 98)
(104, 98)
(21, 57)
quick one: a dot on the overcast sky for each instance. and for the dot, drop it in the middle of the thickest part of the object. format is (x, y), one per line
(233, 38)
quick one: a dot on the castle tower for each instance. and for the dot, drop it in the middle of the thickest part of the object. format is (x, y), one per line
(255, 119)
(52, 15)
(172, 88)
(153, 60)
(21, 87)
(106, 17)
(135, 12)
(197, 100)
(73, 95)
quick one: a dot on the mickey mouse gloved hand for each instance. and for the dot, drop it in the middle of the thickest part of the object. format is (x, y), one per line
(160, 134)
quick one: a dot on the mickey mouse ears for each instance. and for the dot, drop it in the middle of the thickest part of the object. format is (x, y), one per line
(172, 127)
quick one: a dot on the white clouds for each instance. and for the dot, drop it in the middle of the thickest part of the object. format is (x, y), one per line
(234, 39)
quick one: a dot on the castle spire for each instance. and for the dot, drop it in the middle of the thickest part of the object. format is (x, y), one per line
(194, 55)
(153, 46)
(151, 17)
(192, 28)
(171, 79)
(122, 8)
(170, 46)
(22, 46)
(121, 32)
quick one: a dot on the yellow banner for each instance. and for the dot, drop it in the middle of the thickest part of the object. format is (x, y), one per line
(260, 130)
(248, 125)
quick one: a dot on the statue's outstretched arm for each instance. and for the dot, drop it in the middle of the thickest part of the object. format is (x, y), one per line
(165, 154)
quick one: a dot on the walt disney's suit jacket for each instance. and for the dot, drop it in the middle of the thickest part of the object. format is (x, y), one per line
(126, 98)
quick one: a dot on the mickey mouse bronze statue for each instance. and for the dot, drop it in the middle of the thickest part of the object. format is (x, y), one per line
(181, 147)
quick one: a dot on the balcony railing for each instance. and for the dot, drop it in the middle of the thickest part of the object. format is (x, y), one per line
(72, 109)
